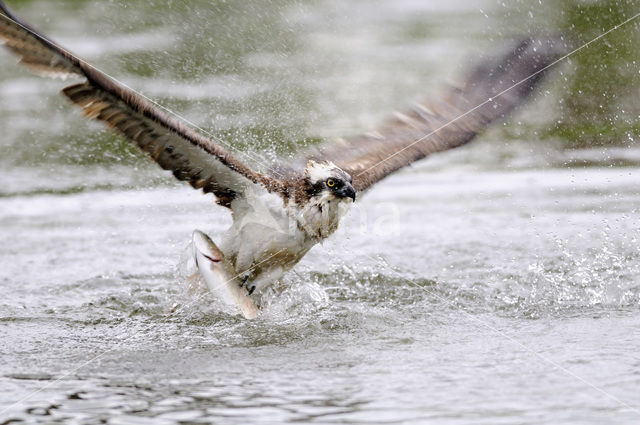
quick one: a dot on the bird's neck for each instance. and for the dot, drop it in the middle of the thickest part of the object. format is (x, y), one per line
(320, 215)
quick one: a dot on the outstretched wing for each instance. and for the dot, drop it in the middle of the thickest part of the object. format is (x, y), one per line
(190, 156)
(489, 93)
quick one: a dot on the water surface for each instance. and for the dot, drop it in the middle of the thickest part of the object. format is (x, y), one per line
(494, 284)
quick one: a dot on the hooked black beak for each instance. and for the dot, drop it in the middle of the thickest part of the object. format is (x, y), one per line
(346, 191)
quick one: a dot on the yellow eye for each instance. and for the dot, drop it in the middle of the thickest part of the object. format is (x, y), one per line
(331, 183)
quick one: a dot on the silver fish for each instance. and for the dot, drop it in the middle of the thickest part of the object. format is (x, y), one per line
(220, 276)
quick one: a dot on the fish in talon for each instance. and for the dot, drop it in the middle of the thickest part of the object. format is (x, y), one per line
(220, 276)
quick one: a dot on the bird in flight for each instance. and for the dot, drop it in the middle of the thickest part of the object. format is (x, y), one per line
(281, 213)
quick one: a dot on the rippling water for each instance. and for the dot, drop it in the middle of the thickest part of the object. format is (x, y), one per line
(494, 284)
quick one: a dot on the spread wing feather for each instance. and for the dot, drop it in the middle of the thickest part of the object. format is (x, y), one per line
(190, 156)
(452, 120)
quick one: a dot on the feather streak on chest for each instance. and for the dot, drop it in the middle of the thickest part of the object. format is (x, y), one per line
(321, 215)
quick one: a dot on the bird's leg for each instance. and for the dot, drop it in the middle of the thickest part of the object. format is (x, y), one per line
(250, 288)
(261, 280)
(265, 279)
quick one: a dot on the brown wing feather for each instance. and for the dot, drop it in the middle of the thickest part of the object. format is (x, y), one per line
(190, 156)
(35, 51)
(445, 123)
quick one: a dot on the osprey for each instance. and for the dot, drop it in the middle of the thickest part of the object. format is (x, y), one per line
(281, 213)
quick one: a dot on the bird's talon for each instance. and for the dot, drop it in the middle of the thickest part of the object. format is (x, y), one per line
(253, 288)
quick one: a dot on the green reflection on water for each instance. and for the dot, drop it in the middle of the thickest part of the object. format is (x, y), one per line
(599, 102)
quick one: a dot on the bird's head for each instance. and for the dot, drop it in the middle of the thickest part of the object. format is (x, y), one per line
(326, 178)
